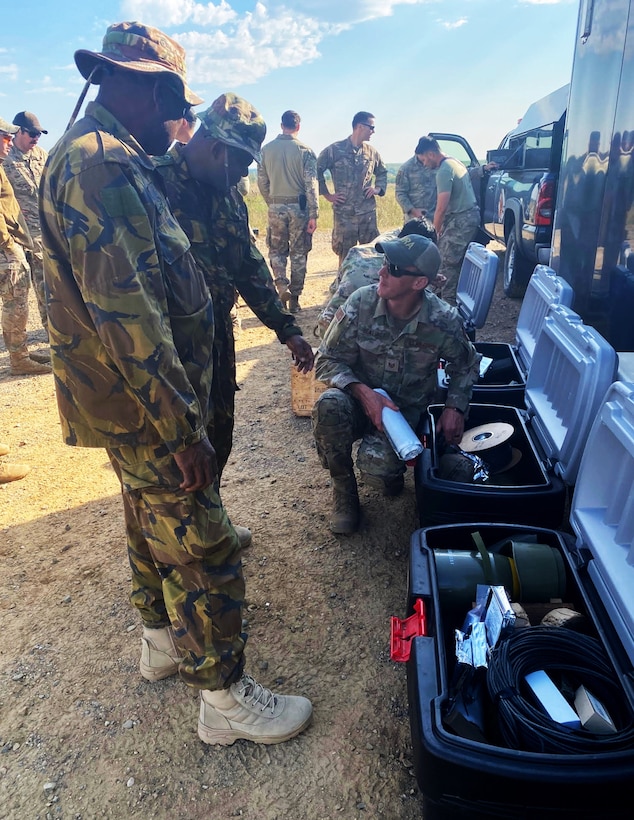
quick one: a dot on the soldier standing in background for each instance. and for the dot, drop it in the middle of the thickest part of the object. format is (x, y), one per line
(287, 179)
(14, 271)
(24, 167)
(457, 214)
(416, 188)
(359, 176)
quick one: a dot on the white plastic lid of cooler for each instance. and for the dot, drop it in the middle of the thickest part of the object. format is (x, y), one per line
(476, 284)
(572, 368)
(602, 510)
(544, 289)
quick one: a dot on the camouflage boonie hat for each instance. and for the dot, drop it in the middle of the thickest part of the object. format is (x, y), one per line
(236, 122)
(137, 47)
(6, 128)
(412, 251)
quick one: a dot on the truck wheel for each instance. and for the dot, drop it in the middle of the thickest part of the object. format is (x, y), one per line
(517, 269)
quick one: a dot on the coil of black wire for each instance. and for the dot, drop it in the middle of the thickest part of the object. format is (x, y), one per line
(580, 659)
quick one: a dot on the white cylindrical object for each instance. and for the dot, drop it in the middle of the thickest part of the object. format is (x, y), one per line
(399, 433)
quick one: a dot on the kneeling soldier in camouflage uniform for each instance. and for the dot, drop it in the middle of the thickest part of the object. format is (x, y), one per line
(388, 336)
(131, 329)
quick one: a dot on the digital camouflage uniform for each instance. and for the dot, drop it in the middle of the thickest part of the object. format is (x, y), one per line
(363, 344)
(217, 226)
(24, 170)
(416, 188)
(14, 269)
(287, 179)
(459, 226)
(352, 170)
(131, 330)
(360, 268)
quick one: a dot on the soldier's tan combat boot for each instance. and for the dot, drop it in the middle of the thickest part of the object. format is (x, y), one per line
(41, 356)
(345, 505)
(249, 711)
(293, 304)
(13, 472)
(283, 292)
(23, 365)
(244, 536)
(160, 657)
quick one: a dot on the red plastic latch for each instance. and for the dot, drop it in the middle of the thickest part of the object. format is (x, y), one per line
(404, 629)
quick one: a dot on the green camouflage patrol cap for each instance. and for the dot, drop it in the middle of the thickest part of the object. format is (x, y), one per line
(412, 251)
(6, 128)
(236, 122)
(138, 47)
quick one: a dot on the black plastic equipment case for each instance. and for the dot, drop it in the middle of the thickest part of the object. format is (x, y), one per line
(462, 779)
(504, 382)
(571, 370)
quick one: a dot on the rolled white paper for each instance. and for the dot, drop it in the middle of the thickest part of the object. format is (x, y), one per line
(403, 439)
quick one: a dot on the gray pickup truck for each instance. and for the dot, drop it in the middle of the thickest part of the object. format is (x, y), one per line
(517, 200)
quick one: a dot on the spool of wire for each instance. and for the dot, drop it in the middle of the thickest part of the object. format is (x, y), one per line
(580, 659)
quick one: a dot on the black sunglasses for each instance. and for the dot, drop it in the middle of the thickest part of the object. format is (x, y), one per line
(33, 134)
(398, 272)
(367, 125)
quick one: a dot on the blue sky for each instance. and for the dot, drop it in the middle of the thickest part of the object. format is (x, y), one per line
(466, 66)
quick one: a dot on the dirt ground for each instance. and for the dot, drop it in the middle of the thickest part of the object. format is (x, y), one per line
(83, 735)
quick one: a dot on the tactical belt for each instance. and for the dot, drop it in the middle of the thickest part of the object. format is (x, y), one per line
(284, 200)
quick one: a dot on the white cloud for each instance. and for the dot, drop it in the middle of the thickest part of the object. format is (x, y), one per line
(228, 48)
(255, 46)
(352, 11)
(9, 72)
(181, 12)
(48, 89)
(448, 24)
(178, 12)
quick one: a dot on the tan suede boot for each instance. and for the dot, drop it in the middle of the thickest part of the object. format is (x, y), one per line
(249, 711)
(160, 657)
(23, 365)
(244, 536)
(13, 472)
(41, 356)
(283, 292)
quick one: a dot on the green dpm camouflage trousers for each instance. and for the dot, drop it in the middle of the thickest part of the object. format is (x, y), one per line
(186, 569)
(287, 240)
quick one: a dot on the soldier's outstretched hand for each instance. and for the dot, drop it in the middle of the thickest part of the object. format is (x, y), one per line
(303, 355)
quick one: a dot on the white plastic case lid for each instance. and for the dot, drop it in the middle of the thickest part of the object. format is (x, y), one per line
(544, 289)
(602, 510)
(572, 368)
(476, 284)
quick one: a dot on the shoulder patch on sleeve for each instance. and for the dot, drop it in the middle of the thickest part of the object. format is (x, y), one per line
(340, 315)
